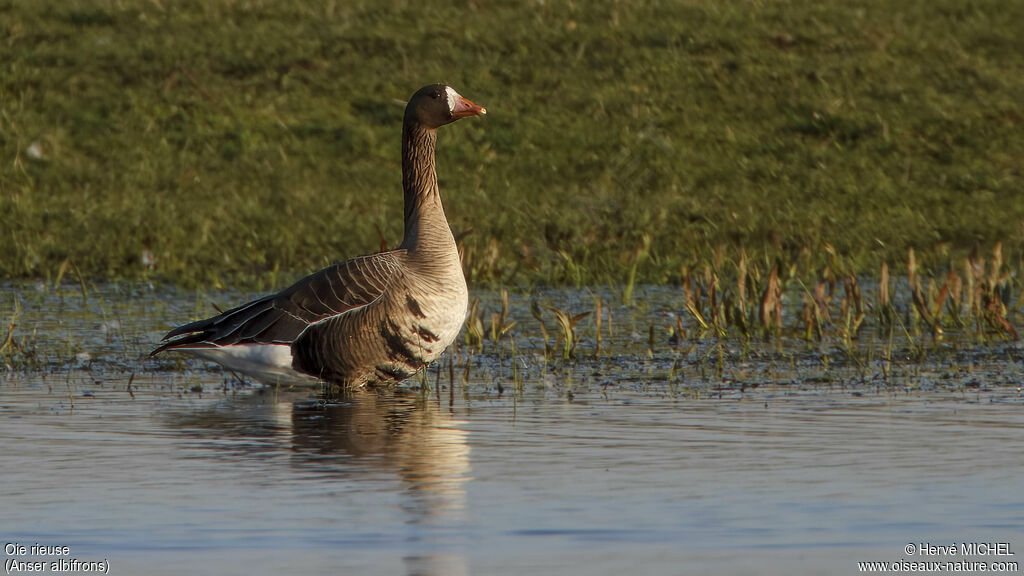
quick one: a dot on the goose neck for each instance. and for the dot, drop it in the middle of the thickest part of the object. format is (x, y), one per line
(424, 215)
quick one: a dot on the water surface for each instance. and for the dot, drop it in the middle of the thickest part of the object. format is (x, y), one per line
(773, 464)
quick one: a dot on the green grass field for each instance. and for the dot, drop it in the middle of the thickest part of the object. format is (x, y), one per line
(248, 142)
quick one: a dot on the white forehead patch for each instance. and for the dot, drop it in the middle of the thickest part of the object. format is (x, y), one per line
(452, 96)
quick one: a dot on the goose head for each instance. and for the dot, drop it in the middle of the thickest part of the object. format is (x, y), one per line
(435, 105)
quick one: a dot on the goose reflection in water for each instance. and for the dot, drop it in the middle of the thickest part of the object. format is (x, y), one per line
(408, 433)
(347, 435)
(349, 440)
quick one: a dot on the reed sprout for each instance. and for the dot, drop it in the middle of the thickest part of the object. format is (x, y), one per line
(567, 323)
(500, 323)
(474, 325)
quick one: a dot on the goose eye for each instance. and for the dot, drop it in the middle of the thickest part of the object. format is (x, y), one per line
(435, 95)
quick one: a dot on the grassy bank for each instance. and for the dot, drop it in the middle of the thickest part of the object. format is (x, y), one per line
(250, 141)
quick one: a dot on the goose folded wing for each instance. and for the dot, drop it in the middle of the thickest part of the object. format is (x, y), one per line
(280, 318)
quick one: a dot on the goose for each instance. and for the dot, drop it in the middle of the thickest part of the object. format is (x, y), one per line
(376, 319)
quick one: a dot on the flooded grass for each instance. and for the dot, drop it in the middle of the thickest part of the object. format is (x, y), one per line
(710, 337)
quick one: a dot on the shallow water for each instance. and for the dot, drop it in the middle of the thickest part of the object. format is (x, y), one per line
(772, 463)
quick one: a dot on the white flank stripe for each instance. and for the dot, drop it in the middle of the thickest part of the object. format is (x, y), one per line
(269, 363)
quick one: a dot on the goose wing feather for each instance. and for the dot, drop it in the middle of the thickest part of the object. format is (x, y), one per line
(280, 318)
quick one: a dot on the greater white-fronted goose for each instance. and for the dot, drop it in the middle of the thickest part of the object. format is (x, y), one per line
(373, 319)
